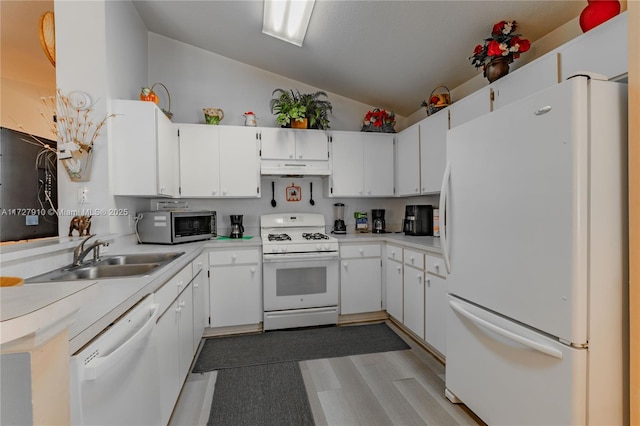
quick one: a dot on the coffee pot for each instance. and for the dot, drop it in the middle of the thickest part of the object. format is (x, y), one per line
(236, 226)
(250, 119)
(378, 221)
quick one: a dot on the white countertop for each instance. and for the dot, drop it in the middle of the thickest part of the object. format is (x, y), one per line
(111, 298)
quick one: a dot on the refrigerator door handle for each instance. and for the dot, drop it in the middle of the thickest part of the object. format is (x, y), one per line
(505, 333)
(442, 205)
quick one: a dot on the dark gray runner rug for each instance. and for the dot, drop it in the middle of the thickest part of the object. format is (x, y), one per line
(265, 395)
(296, 345)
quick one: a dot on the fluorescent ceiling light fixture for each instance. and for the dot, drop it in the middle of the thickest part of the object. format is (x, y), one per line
(287, 20)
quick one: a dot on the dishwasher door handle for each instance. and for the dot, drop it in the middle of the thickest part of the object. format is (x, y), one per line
(99, 365)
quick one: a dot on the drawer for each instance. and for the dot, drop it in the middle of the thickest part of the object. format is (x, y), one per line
(199, 264)
(365, 250)
(414, 258)
(166, 294)
(394, 252)
(435, 265)
(234, 257)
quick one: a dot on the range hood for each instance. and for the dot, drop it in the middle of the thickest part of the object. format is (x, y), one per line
(294, 167)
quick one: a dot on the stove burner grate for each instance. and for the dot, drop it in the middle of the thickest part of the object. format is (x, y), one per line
(279, 237)
(314, 236)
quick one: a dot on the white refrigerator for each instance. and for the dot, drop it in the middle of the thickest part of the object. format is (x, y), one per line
(534, 196)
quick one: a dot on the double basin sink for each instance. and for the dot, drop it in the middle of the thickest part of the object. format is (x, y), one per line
(116, 266)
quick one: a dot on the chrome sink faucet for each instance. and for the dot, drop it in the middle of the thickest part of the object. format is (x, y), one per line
(80, 252)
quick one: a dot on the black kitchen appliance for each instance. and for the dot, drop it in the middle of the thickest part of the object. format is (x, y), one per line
(236, 226)
(379, 225)
(339, 227)
(418, 220)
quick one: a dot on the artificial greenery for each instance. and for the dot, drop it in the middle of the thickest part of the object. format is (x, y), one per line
(293, 105)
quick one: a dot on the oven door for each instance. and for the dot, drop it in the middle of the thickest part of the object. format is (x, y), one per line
(300, 280)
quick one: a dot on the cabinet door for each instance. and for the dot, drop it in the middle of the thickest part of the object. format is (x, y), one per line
(200, 303)
(347, 158)
(435, 320)
(408, 161)
(168, 168)
(235, 295)
(531, 78)
(239, 162)
(470, 107)
(611, 37)
(394, 289)
(199, 160)
(414, 300)
(360, 286)
(185, 321)
(134, 148)
(378, 164)
(311, 145)
(165, 337)
(433, 151)
(277, 143)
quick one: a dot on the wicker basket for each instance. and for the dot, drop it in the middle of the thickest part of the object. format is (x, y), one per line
(167, 111)
(443, 95)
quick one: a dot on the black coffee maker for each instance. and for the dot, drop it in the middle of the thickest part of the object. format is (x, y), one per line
(379, 225)
(236, 226)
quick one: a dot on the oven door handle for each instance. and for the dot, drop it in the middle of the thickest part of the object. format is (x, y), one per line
(299, 257)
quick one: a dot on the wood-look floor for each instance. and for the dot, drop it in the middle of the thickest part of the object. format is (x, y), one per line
(389, 388)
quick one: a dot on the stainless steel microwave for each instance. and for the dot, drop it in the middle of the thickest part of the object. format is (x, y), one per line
(174, 227)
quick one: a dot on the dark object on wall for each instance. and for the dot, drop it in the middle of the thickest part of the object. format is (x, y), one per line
(27, 183)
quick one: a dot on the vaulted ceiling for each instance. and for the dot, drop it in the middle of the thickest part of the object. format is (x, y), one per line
(387, 53)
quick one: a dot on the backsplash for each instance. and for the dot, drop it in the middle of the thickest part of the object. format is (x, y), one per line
(253, 208)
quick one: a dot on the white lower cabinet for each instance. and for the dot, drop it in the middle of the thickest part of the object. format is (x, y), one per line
(235, 287)
(394, 282)
(435, 320)
(360, 279)
(414, 293)
(173, 337)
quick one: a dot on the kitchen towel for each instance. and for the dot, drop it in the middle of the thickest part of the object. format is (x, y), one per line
(296, 345)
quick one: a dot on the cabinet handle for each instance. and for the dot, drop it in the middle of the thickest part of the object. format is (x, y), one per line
(253, 270)
(196, 285)
(182, 304)
(178, 309)
(419, 279)
(428, 282)
(437, 268)
(180, 284)
(361, 251)
(290, 155)
(300, 156)
(233, 257)
(399, 269)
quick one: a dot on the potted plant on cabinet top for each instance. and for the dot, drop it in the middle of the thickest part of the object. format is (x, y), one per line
(298, 110)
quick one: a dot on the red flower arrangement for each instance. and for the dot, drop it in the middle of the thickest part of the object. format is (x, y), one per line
(379, 120)
(503, 43)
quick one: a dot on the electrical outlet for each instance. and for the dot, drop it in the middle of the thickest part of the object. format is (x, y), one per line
(83, 195)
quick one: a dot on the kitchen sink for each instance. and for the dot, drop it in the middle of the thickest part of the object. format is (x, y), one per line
(136, 259)
(116, 266)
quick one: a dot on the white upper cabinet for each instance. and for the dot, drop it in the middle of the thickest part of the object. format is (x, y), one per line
(474, 105)
(362, 164)
(433, 151)
(602, 50)
(145, 150)
(408, 161)
(282, 144)
(531, 78)
(199, 159)
(219, 161)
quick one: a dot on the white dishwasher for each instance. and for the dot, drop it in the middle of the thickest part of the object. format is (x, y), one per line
(114, 378)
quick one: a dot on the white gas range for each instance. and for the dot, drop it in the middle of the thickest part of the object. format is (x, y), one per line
(300, 271)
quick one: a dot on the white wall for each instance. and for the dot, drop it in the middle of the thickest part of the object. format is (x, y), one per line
(102, 66)
(199, 79)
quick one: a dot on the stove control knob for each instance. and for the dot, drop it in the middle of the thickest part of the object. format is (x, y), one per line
(318, 247)
(326, 247)
(284, 249)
